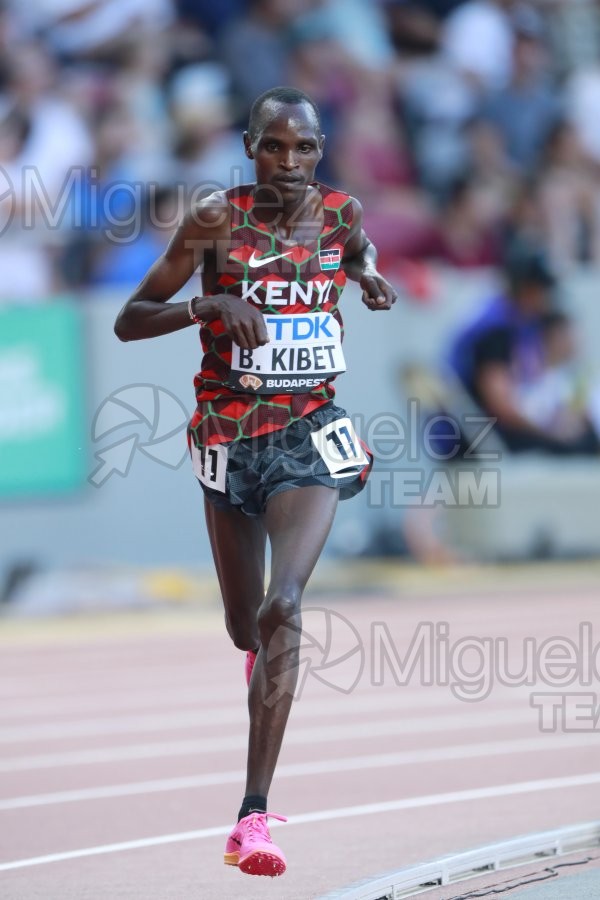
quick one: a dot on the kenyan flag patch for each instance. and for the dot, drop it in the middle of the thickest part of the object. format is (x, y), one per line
(330, 260)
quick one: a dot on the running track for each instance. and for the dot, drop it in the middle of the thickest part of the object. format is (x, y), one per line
(128, 743)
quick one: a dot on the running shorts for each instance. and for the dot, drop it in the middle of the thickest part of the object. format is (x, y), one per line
(320, 448)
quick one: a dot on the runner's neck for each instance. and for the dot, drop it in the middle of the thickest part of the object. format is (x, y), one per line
(295, 222)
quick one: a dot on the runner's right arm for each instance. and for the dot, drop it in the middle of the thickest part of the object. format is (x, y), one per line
(148, 314)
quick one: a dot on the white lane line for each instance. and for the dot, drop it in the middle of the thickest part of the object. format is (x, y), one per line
(318, 767)
(474, 720)
(178, 696)
(56, 731)
(233, 715)
(125, 700)
(68, 683)
(501, 790)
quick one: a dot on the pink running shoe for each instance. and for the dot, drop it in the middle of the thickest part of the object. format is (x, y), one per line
(250, 848)
(250, 660)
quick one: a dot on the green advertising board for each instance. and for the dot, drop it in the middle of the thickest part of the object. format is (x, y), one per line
(42, 439)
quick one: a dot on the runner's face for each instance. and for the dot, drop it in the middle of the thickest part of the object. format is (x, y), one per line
(287, 149)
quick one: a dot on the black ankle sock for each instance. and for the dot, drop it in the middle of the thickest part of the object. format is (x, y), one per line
(252, 803)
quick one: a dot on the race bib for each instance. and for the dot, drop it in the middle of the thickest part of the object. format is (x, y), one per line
(340, 448)
(304, 350)
(210, 465)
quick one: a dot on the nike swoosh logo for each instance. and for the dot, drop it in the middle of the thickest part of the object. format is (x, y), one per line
(254, 262)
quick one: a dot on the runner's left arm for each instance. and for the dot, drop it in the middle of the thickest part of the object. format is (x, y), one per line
(360, 264)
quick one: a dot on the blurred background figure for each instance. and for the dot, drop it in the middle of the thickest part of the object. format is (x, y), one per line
(207, 146)
(78, 30)
(478, 40)
(560, 400)
(525, 110)
(254, 47)
(117, 264)
(570, 199)
(514, 361)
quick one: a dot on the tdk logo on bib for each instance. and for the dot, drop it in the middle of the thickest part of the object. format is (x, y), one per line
(303, 352)
(301, 328)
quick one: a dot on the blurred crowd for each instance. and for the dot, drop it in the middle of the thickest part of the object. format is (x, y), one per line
(464, 126)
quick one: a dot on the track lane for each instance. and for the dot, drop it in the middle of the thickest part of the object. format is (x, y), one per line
(327, 729)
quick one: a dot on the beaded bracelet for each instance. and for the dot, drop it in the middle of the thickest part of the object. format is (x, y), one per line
(195, 319)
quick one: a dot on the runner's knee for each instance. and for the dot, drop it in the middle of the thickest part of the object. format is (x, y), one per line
(279, 609)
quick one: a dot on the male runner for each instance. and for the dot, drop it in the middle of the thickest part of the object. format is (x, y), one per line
(271, 451)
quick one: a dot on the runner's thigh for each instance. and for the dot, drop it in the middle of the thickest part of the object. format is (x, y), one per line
(298, 522)
(238, 546)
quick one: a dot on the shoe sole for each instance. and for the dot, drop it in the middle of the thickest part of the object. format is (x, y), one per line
(258, 863)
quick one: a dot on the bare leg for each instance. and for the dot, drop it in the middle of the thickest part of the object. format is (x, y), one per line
(238, 545)
(298, 522)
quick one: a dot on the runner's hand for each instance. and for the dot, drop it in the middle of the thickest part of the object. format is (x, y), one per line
(377, 292)
(243, 322)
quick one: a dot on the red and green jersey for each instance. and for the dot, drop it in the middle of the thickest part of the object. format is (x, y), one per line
(278, 279)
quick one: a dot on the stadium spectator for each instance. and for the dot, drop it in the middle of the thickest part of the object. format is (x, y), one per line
(210, 16)
(528, 107)
(138, 85)
(103, 203)
(570, 199)
(502, 355)
(44, 138)
(207, 149)
(320, 66)
(359, 26)
(415, 25)
(492, 172)
(372, 157)
(413, 28)
(464, 236)
(582, 97)
(437, 103)
(25, 271)
(574, 29)
(560, 399)
(57, 137)
(524, 224)
(478, 40)
(78, 29)
(126, 262)
(254, 47)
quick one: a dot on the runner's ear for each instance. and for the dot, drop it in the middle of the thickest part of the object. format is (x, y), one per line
(248, 146)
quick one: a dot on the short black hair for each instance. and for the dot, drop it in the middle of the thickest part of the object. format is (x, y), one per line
(529, 265)
(287, 95)
(553, 320)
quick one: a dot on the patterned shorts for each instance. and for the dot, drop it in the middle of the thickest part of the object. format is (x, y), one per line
(320, 448)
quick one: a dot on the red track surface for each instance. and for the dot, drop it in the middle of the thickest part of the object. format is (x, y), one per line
(117, 720)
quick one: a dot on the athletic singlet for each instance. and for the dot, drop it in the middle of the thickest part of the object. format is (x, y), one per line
(280, 280)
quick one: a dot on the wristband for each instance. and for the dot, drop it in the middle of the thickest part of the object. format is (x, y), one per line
(195, 319)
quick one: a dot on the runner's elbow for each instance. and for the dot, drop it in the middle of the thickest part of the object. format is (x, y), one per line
(122, 326)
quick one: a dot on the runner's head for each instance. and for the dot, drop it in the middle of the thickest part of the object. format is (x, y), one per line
(531, 280)
(284, 139)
